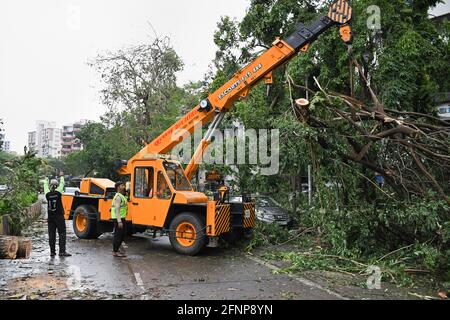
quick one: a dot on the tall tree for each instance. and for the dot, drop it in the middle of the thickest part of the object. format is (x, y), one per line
(1, 130)
(396, 69)
(138, 86)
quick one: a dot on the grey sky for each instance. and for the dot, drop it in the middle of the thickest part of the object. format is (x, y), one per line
(441, 8)
(44, 46)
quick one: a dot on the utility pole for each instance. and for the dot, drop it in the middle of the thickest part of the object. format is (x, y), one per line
(309, 185)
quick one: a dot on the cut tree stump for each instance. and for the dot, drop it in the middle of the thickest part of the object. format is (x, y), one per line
(24, 248)
(8, 247)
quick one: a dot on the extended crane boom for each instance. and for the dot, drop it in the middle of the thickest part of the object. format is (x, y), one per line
(237, 87)
(161, 198)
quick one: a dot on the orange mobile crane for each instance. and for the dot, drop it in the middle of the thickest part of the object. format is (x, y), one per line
(161, 197)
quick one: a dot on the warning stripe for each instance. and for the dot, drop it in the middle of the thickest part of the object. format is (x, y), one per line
(249, 222)
(222, 219)
(340, 12)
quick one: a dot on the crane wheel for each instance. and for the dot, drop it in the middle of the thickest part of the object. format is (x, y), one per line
(85, 227)
(187, 234)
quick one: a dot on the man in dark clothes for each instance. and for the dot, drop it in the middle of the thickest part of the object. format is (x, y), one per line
(56, 219)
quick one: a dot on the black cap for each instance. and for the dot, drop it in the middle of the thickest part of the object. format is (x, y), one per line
(119, 183)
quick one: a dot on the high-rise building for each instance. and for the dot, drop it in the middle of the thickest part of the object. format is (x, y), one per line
(46, 140)
(70, 143)
(5, 145)
(32, 142)
(2, 140)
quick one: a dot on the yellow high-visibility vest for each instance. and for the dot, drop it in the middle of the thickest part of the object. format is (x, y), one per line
(123, 206)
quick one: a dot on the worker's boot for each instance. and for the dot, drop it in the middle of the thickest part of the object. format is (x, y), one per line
(119, 254)
(64, 254)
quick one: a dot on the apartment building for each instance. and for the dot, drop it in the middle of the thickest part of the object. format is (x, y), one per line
(46, 140)
(5, 144)
(70, 143)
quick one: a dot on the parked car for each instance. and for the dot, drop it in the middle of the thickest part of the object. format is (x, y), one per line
(269, 211)
(3, 188)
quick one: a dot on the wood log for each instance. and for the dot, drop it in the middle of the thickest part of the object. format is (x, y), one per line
(24, 248)
(8, 247)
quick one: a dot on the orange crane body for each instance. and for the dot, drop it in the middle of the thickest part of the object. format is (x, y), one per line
(161, 197)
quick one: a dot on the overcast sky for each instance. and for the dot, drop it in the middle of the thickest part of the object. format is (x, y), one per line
(44, 46)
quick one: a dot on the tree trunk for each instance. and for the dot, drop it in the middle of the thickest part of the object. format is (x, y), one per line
(8, 247)
(24, 248)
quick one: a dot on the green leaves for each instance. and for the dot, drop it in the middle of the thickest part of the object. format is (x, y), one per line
(138, 84)
(102, 146)
(21, 175)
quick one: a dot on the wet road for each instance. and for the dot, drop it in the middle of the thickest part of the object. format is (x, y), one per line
(152, 270)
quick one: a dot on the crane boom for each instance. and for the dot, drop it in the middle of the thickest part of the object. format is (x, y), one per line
(243, 81)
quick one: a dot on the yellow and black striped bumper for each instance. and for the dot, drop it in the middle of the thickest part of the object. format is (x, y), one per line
(249, 215)
(222, 219)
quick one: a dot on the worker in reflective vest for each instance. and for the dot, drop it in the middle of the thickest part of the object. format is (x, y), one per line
(119, 211)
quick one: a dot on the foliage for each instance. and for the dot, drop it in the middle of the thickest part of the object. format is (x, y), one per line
(22, 179)
(102, 147)
(52, 167)
(139, 84)
(143, 100)
(267, 234)
(396, 71)
(1, 129)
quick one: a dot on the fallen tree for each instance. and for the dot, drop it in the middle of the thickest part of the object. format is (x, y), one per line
(411, 150)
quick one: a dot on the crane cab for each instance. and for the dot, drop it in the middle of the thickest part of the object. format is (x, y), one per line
(160, 198)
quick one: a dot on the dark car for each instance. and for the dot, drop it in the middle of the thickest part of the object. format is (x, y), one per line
(268, 210)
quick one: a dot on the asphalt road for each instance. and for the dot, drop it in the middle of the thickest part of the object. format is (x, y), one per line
(152, 270)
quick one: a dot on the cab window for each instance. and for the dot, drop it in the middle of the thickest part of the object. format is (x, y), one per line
(177, 177)
(95, 189)
(163, 190)
(143, 183)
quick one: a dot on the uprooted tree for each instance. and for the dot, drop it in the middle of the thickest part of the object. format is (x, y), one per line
(372, 111)
(410, 149)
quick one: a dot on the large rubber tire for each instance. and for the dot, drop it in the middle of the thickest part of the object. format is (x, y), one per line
(84, 223)
(187, 234)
